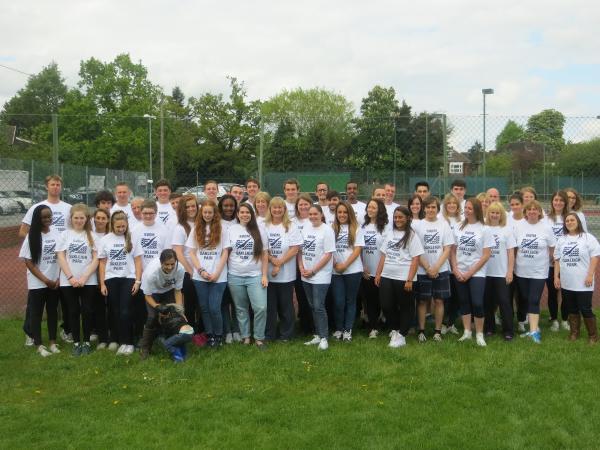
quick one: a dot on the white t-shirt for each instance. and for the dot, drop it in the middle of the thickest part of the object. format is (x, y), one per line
(280, 242)
(241, 258)
(504, 238)
(390, 210)
(360, 209)
(78, 254)
(452, 221)
(119, 263)
(329, 216)
(126, 209)
(61, 215)
(291, 209)
(227, 224)
(179, 237)
(343, 251)
(155, 281)
(398, 259)
(556, 225)
(149, 241)
(48, 264)
(301, 223)
(574, 254)
(434, 236)
(583, 221)
(209, 257)
(370, 252)
(470, 242)
(166, 214)
(533, 242)
(316, 243)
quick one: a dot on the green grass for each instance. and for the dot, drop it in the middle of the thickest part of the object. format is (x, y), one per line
(358, 395)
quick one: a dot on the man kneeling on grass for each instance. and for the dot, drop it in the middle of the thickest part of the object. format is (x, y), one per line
(162, 281)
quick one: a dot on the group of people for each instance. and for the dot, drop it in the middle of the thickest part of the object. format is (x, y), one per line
(225, 270)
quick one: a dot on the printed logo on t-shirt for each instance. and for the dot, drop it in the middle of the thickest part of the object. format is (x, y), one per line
(370, 242)
(557, 229)
(431, 241)
(169, 282)
(495, 250)
(244, 247)
(529, 246)
(49, 252)
(467, 243)
(117, 254)
(341, 243)
(163, 216)
(275, 243)
(78, 252)
(149, 242)
(309, 247)
(570, 255)
(58, 220)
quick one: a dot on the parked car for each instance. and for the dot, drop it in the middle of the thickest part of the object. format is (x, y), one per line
(8, 205)
(82, 195)
(23, 198)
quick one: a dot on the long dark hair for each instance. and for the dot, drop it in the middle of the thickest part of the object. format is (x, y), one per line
(235, 209)
(252, 228)
(352, 223)
(35, 233)
(408, 232)
(477, 209)
(565, 198)
(411, 200)
(382, 217)
(182, 212)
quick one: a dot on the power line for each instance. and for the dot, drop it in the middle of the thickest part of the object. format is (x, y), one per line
(16, 70)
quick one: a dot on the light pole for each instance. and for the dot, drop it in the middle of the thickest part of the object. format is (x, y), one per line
(485, 92)
(149, 117)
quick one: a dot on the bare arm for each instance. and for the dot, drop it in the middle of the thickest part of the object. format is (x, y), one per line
(101, 276)
(379, 270)
(340, 267)
(23, 230)
(178, 249)
(408, 284)
(485, 255)
(35, 270)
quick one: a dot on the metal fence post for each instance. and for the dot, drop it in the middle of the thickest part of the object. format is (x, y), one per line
(261, 150)
(55, 141)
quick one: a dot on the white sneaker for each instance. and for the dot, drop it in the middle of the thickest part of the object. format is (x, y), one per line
(497, 320)
(128, 350)
(397, 340)
(444, 329)
(66, 337)
(93, 337)
(453, 330)
(347, 336)
(237, 337)
(565, 325)
(54, 348)
(229, 338)
(467, 335)
(373, 334)
(101, 346)
(337, 335)
(555, 326)
(43, 351)
(521, 327)
(28, 341)
(314, 341)
(323, 345)
(421, 337)
(480, 339)
(437, 337)
(113, 346)
(121, 350)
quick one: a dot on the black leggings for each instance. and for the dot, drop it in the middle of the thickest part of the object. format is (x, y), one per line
(100, 316)
(304, 311)
(36, 300)
(579, 302)
(280, 305)
(369, 294)
(190, 304)
(497, 293)
(120, 305)
(530, 291)
(398, 305)
(553, 299)
(80, 304)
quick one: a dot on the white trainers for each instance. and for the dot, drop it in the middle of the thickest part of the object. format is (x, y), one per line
(337, 335)
(565, 325)
(43, 351)
(68, 338)
(453, 330)
(497, 319)
(437, 337)
(397, 340)
(373, 334)
(128, 350)
(323, 345)
(28, 341)
(54, 348)
(421, 337)
(480, 339)
(113, 346)
(93, 337)
(555, 326)
(444, 329)
(347, 336)
(467, 335)
(314, 341)
(121, 350)
(237, 337)
(229, 338)
(101, 346)
(521, 327)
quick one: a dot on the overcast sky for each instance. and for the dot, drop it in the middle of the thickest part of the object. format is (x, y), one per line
(436, 54)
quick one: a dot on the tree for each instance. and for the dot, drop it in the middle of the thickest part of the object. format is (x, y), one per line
(546, 128)
(228, 133)
(581, 158)
(321, 121)
(475, 154)
(511, 133)
(499, 164)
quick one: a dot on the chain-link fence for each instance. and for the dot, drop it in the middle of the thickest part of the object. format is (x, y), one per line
(547, 151)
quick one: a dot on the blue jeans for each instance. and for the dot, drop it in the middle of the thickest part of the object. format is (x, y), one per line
(177, 340)
(210, 298)
(315, 294)
(345, 290)
(247, 291)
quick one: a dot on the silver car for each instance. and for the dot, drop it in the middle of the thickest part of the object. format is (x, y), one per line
(8, 205)
(23, 198)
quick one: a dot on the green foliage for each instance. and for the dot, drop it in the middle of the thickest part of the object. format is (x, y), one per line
(512, 132)
(546, 128)
(317, 127)
(499, 164)
(580, 158)
(475, 154)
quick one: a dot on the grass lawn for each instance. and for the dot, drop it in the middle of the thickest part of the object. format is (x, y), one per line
(358, 395)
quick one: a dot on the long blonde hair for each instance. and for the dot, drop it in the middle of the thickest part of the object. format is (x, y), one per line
(120, 215)
(278, 201)
(87, 227)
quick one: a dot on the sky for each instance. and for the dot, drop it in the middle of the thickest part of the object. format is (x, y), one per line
(437, 54)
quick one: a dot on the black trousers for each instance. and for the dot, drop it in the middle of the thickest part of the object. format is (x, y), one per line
(80, 304)
(100, 316)
(398, 305)
(37, 299)
(579, 302)
(497, 294)
(190, 304)
(120, 305)
(280, 305)
(369, 295)
(304, 312)
(553, 299)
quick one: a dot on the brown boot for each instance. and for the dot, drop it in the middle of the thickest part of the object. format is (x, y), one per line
(592, 329)
(575, 325)
(146, 342)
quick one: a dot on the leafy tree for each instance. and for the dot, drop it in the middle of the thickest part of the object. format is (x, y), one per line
(512, 132)
(499, 164)
(580, 158)
(475, 154)
(546, 128)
